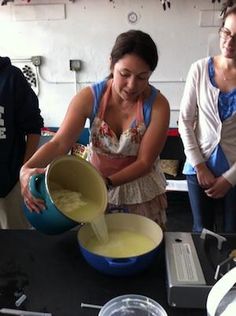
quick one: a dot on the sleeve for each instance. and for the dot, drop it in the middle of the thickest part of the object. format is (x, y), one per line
(97, 90)
(28, 117)
(230, 174)
(188, 117)
(147, 107)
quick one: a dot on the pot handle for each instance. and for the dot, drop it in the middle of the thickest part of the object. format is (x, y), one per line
(121, 264)
(34, 185)
(219, 290)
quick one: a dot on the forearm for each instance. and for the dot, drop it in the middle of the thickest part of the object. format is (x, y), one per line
(45, 154)
(130, 173)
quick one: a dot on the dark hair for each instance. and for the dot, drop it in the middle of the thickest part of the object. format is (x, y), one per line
(138, 43)
(229, 7)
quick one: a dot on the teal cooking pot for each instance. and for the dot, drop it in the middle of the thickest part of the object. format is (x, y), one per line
(73, 174)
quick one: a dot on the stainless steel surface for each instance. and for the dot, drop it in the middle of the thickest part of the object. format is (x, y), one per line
(186, 284)
(191, 264)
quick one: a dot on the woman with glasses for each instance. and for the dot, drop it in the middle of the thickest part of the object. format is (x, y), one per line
(207, 125)
(129, 119)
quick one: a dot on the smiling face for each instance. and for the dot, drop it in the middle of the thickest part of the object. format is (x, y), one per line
(130, 77)
(228, 37)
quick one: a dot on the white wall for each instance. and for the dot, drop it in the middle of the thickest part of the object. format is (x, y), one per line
(86, 30)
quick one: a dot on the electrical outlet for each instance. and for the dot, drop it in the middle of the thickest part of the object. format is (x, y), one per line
(75, 64)
(36, 60)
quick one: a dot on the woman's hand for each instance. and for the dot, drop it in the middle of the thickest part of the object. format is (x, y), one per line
(32, 203)
(204, 175)
(220, 187)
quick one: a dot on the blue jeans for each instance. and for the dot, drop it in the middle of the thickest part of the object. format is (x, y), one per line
(204, 208)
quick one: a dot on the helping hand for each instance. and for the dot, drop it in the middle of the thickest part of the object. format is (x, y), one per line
(204, 175)
(219, 188)
(32, 203)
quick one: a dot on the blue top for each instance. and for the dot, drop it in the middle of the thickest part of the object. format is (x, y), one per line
(227, 107)
(98, 89)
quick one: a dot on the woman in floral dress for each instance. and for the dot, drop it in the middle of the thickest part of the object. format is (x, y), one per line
(129, 119)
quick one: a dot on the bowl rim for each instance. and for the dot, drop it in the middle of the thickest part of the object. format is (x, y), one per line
(149, 252)
(126, 298)
(90, 167)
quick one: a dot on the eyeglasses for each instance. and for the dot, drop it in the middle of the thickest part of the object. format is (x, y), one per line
(226, 34)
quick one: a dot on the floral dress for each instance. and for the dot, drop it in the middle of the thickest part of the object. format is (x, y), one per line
(109, 154)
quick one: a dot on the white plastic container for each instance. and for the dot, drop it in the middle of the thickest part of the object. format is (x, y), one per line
(221, 300)
(132, 304)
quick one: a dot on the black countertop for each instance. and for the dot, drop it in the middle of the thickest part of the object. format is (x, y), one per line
(56, 278)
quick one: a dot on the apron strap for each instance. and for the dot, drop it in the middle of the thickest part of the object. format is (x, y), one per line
(104, 102)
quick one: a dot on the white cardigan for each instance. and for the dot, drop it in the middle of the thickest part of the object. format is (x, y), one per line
(200, 126)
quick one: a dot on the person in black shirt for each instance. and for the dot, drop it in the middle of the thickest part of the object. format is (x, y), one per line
(20, 127)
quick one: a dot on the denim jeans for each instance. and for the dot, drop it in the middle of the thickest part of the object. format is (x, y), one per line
(205, 209)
